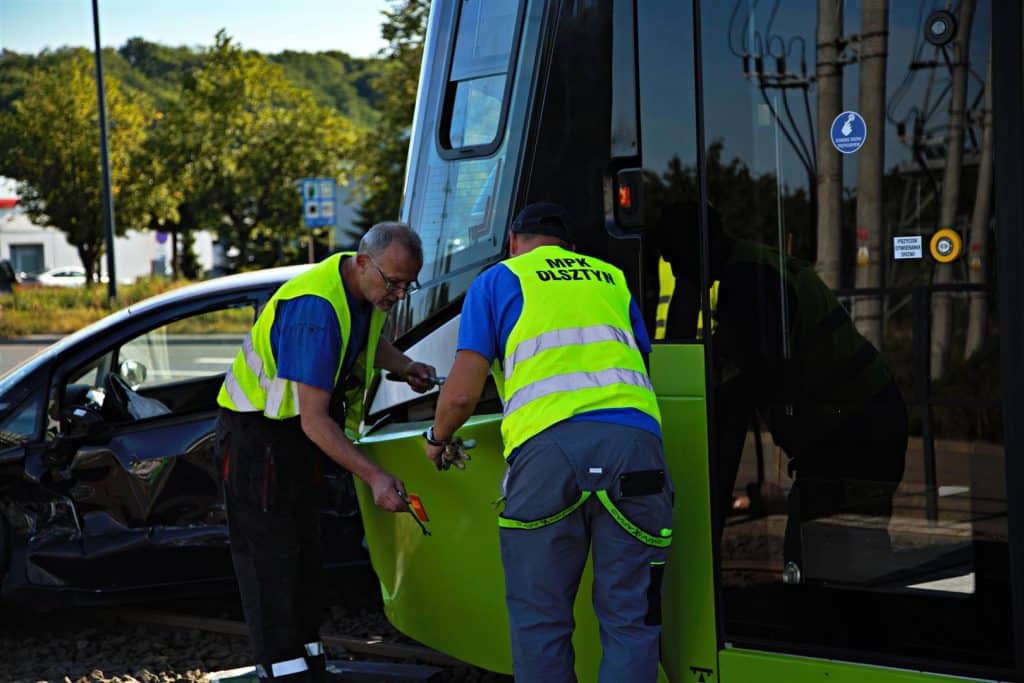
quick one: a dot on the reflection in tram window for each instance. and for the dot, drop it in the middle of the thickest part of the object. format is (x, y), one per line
(790, 358)
(479, 73)
(858, 423)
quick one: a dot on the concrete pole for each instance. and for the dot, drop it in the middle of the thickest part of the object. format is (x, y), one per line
(978, 242)
(874, 28)
(942, 303)
(829, 76)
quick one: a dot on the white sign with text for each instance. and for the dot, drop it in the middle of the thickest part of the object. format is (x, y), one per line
(907, 247)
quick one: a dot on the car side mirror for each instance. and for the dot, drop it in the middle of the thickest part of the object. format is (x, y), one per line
(132, 371)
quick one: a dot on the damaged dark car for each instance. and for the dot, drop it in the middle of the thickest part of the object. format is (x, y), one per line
(109, 484)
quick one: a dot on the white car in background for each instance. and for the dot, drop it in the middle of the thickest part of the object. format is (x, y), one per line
(66, 276)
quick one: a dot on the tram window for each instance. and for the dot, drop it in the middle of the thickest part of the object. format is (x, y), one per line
(476, 111)
(862, 488)
(477, 84)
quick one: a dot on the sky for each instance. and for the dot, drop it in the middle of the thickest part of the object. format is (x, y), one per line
(352, 26)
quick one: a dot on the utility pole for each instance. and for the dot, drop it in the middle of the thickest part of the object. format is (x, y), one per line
(108, 196)
(978, 244)
(829, 75)
(942, 302)
(874, 31)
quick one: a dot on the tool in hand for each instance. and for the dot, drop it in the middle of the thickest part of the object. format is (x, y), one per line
(456, 453)
(398, 377)
(416, 509)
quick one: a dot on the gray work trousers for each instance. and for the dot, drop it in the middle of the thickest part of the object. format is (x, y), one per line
(543, 565)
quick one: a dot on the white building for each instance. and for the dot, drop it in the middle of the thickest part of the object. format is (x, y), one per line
(33, 249)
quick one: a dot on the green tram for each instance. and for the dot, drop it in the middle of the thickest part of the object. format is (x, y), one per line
(880, 142)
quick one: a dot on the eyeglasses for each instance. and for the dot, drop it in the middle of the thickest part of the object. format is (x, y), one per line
(393, 285)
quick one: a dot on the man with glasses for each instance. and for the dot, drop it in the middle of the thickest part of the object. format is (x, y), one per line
(301, 374)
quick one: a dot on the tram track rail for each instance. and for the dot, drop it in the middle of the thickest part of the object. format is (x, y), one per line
(374, 647)
(205, 640)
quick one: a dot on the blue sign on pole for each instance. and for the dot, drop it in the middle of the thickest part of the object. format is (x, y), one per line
(849, 131)
(318, 197)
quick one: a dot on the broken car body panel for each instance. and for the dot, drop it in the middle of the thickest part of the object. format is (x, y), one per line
(95, 502)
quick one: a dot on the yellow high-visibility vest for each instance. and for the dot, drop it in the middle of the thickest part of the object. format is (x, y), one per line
(666, 290)
(572, 350)
(252, 384)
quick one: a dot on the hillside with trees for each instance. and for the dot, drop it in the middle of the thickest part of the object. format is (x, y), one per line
(214, 138)
(335, 79)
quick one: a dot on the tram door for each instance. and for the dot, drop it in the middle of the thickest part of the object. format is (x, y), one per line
(855, 335)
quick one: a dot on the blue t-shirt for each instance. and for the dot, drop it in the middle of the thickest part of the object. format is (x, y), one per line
(492, 306)
(309, 322)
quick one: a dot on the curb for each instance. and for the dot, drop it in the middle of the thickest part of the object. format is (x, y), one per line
(32, 339)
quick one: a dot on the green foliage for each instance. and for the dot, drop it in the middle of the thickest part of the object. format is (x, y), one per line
(152, 68)
(747, 202)
(381, 153)
(235, 146)
(335, 79)
(209, 139)
(60, 310)
(50, 143)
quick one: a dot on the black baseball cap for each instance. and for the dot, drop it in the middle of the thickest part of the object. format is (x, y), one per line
(543, 218)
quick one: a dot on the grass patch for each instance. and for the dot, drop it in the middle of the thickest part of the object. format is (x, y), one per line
(62, 310)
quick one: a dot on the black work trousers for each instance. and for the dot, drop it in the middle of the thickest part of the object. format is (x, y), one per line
(273, 494)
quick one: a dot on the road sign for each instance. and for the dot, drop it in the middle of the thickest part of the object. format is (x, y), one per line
(848, 132)
(318, 197)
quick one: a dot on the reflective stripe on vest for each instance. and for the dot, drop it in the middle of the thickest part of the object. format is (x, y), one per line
(572, 349)
(238, 397)
(565, 337)
(572, 381)
(251, 384)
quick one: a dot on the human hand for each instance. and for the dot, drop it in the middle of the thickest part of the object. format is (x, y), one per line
(388, 492)
(456, 452)
(434, 453)
(420, 376)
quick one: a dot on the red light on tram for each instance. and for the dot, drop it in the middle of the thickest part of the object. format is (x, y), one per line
(625, 197)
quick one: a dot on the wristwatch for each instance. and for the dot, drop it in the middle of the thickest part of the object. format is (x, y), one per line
(428, 434)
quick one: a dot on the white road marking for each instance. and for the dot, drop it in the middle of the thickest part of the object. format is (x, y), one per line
(953, 490)
(954, 584)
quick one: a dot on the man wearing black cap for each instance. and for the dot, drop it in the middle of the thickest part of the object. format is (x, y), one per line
(582, 438)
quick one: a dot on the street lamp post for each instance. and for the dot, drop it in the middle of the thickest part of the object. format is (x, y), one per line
(108, 197)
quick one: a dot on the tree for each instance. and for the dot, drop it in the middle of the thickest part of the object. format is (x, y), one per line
(382, 151)
(50, 144)
(235, 146)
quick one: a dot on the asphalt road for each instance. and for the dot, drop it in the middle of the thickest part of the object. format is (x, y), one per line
(14, 351)
(184, 356)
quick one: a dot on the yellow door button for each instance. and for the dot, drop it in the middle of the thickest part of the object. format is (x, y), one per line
(946, 245)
